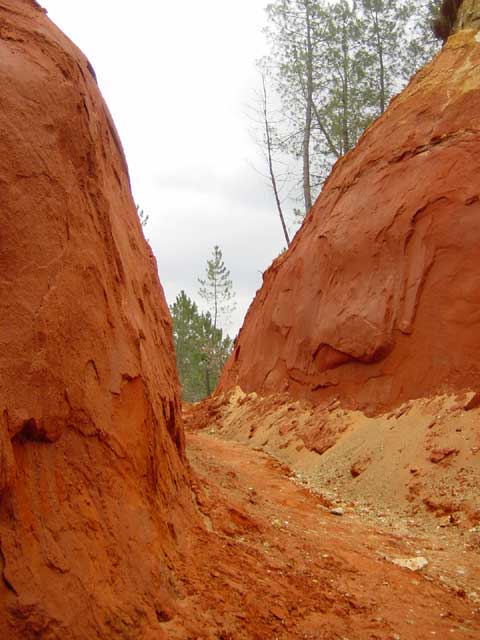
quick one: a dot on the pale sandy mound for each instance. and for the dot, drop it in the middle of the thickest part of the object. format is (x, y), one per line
(422, 460)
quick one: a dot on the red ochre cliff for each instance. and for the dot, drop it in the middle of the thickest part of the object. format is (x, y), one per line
(92, 480)
(105, 532)
(378, 298)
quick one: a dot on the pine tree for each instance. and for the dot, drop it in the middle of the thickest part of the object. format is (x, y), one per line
(186, 330)
(201, 350)
(214, 349)
(343, 99)
(335, 66)
(216, 289)
(291, 30)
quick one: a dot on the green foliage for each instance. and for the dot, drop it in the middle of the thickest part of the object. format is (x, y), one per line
(335, 66)
(200, 345)
(216, 289)
(201, 349)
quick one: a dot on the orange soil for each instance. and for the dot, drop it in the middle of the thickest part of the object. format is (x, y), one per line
(273, 562)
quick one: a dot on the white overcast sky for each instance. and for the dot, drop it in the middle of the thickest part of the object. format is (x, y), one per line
(178, 77)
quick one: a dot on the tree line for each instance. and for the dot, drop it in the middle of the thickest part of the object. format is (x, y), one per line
(201, 347)
(200, 344)
(333, 68)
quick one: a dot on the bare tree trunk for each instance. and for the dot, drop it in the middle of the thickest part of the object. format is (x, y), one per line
(321, 126)
(268, 139)
(345, 96)
(207, 381)
(215, 304)
(307, 191)
(381, 63)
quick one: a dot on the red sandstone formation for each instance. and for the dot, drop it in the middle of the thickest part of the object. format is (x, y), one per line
(92, 480)
(98, 535)
(378, 298)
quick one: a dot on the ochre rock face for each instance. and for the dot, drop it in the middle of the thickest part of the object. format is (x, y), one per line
(378, 298)
(93, 491)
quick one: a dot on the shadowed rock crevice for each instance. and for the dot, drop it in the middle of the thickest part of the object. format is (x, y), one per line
(5, 580)
(32, 432)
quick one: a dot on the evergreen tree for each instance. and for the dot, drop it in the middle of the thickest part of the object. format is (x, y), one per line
(422, 44)
(398, 40)
(201, 350)
(186, 336)
(291, 30)
(214, 349)
(344, 98)
(216, 289)
(335, 66)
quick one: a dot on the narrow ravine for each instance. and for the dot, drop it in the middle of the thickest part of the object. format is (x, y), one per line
(274, 562)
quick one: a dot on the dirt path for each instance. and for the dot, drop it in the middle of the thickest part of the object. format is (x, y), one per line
(275, 563)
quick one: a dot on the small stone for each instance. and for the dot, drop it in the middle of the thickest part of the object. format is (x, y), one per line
(359, 466)
(413, 564)
(473, 402)
(337, 511)
(279, 612)
(437, 455)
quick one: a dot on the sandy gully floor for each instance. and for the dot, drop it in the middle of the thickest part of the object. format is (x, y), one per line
(274, 562)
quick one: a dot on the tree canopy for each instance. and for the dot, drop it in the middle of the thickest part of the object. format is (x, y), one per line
(216, 289)
(200, 344)
(335, 66)
(201, 349)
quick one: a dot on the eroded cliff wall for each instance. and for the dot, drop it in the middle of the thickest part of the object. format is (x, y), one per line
(93, 487)
(378, 298)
